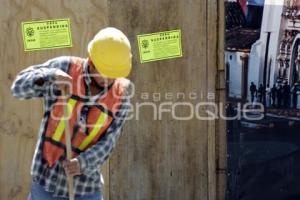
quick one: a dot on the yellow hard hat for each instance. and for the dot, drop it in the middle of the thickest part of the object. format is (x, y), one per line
(110, 52)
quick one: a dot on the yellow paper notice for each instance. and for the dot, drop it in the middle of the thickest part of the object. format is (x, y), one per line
(47, 34)
(160, 45)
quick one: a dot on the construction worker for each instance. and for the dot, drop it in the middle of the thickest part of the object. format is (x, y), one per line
(97, 100)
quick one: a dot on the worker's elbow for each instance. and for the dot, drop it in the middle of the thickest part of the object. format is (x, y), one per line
(16, 90)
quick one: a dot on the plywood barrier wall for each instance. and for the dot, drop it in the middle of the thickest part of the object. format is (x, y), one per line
(154, 159)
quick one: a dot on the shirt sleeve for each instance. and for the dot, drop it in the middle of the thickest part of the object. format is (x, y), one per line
(37, 80)
(91, 159)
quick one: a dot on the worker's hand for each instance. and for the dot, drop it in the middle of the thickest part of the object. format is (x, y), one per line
(72, 167)
(63, 81)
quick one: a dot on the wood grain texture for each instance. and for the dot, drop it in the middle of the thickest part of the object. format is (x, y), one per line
(154, 159)
(212, 62)
(19, 120)
(168, 159)
(221, 137)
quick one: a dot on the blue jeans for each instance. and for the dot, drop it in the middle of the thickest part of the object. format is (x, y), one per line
(38, 193)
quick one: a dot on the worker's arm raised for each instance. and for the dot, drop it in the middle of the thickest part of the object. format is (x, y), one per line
(37, 80)
(94, 157)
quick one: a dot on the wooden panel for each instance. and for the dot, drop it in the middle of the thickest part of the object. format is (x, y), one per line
(154, 159)
(168, 159)
(221, 138)
(19, 120)
(212, 62)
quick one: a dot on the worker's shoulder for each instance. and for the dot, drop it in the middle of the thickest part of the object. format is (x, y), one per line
(66, 59)
(124, 85)
(60, 58)
(76, 58)
(124, 82)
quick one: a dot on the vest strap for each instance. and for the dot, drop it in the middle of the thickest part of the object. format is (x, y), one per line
(61, 125)
(98, 125)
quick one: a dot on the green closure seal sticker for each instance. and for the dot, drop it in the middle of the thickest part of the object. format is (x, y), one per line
(46, 34)
(160, 45)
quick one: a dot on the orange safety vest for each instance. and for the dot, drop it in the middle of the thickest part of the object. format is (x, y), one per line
(99, 117)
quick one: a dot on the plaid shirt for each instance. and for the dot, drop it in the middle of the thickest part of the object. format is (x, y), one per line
(28, 85)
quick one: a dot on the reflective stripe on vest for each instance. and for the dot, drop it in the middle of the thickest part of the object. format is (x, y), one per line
(61, 125)
(99, 124)
(97, 120)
